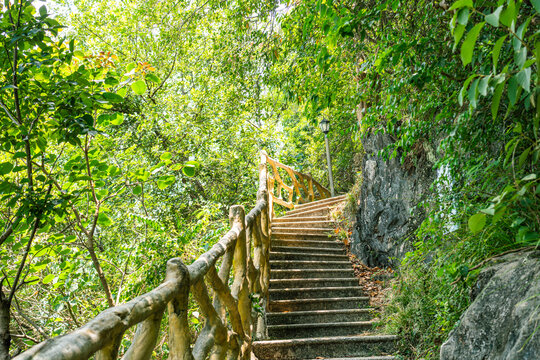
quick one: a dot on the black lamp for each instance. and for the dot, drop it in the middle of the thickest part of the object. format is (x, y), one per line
(325, 126)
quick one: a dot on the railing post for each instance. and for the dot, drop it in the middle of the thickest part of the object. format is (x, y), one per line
(240, 286)
(179, 336)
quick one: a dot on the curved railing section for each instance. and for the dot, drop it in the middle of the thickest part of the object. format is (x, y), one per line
(230, 324)
(303, 188)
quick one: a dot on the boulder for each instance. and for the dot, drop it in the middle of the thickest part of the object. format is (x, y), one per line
(503, 321)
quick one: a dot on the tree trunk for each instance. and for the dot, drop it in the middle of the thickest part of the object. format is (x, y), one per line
(5, 336)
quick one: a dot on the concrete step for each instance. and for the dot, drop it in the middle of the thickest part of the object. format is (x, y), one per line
(358, 302)
(302, 231)
(305, 264)
(315, 293)
(334, 199)
(309, 223)
(276, 274)
(295, 242)
(307, 219)
(300, 236)
(319, 211)
(296, 331)
(326, 203)
(360, 358)
(310, 250)
(332, 347)
(319, 316)
(289, 255)
(312, 283)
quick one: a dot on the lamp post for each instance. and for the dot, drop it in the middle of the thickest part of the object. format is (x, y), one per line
(325, 127)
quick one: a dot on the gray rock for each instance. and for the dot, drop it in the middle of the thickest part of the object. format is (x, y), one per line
(503, 322)
(387, 214)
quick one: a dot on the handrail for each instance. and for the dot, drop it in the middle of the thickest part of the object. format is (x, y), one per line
(244, 249)
(302, 186)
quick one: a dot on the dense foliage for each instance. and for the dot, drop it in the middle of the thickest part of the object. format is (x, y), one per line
(129, 130)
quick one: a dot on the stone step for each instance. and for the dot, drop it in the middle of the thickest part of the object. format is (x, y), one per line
(306, 264)
(319, 316)
(325, 203)
(310, 250)
(315, 293)
(277, 274)
(296, 331)
(332, 347)
(307, 219)
(294, 242)
(302, 231)
(310, 223)
(300, 236)
(358, 302)
(290, 255)
(312, 283)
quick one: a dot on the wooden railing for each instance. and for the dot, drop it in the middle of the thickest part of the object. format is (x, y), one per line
(303, 187)
(231, 323)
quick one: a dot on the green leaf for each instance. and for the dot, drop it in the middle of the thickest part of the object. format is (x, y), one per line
(516, 40)
(112, 97)
(117, 119)
(43, 11)
(137, 190)
(536, 4)
(497, 50)
(477, 222)
(463, 16)
(104, 220)
(464, 88)
(166, 156)
(473, 93)
(483, 85)
(467, 48)
(524, 79)
(153, 78)
(458, 34)
(529, 177)
(512, 90)
(48, 278)
(493, 18)
(523, 157)
(5, 168)
(498, 214)
(520, 56)
(165, 181)
(488, 211)
(509, 14)
(189, 170)
(496, 100)
(139, 87)
(461, 3)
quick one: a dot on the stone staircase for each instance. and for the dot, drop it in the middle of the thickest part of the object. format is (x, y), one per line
(317, 310)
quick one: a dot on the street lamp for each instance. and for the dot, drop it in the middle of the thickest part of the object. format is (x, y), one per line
(325, 127)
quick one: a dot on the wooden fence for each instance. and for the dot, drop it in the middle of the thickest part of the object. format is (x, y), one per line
(303, 188)
(230, 321)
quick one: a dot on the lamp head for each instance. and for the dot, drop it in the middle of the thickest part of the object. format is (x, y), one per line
(325, 125)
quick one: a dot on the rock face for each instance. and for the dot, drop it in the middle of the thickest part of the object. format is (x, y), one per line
(387, 213)
(503, 322)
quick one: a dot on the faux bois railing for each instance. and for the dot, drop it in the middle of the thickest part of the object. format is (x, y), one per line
(230, 324)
